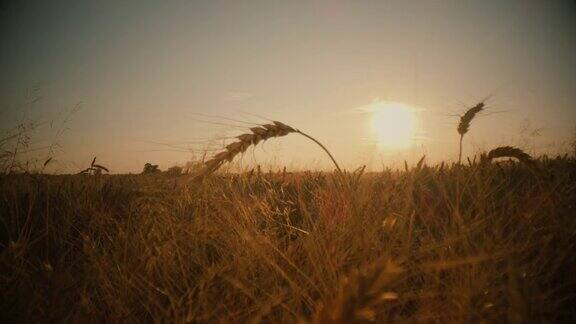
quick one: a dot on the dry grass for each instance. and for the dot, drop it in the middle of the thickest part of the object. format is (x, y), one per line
(361, 295)
(447, 243)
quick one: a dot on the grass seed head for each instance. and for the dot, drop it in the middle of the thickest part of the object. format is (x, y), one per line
(244, 141)
(467, 118)
(510, 152)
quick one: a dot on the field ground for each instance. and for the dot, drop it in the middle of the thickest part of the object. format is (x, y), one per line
(470, 243)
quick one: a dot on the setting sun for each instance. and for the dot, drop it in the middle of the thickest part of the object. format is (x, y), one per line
(394, 124)
(325, 161)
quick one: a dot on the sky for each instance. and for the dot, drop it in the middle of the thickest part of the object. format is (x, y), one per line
(154, 80)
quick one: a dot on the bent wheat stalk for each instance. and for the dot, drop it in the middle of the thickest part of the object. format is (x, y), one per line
(94, 168)
(510, 152)
(258, 134)
(464, 125)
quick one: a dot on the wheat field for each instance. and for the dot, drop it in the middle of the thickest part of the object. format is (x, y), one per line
(481, 242)
(308, 162)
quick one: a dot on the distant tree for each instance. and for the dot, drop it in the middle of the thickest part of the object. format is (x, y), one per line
(150, 168)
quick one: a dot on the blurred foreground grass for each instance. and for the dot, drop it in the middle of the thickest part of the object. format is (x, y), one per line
(440, 244)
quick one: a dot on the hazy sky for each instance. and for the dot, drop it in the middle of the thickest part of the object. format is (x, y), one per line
(144, 70)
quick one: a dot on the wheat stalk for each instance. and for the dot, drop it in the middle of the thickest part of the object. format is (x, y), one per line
(258, 134)
(508, 151)
(94, 168)
(464, 125)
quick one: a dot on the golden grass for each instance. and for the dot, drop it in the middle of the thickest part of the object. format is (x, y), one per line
(361, 295)
(445, 243)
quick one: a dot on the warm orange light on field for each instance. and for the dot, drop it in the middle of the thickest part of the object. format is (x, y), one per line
(394, 124)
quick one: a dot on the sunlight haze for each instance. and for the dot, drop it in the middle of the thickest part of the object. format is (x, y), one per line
(377, 82)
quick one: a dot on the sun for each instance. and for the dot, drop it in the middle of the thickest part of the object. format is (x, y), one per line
(394, 124)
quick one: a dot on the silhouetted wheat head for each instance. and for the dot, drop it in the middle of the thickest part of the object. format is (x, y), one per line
(93, 168)
(258, 134)
(465, 121)
(467, 118)
(510, 152)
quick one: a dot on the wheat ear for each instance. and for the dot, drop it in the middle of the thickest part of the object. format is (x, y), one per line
(508, 151)
(258, 134)
(92, 168)
(464, 125)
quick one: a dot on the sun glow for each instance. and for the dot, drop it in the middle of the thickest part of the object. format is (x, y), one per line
(394, 124)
